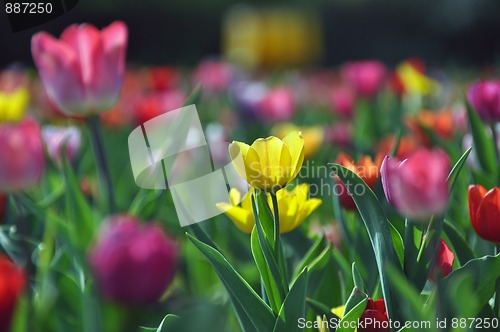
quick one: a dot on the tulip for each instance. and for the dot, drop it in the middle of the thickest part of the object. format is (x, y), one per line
(410, 78)
(374, 318)
(269, 163)
(277, 105)
(21, 155)
(339, 134)
(293, 206)
(417, 186)
(407, 146)
(342, 102)
(484, 210)
(484, 97)
(365, 168)
(443, 261)
(13, 105)
(83, 70)
(366, 77)
(12, 282)
(133, 263)
(3, 206)
(440, 123)
(215, 76)
(56, 137)
(164, 78)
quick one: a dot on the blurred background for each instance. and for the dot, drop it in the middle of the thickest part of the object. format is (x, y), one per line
(179, 32)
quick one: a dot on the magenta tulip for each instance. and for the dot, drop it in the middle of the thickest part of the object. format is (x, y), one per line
(21, 155)
(83, 70)
(277, 105)
(484, 97)
(417, 186)
(56, 138)
(342, 101)
(133, 263)
(366, 77)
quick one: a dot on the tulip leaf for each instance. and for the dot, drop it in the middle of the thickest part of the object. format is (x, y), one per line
(397, 240)
(463, 251)
(378, 230)
(356, 277)
(455, 171)
(253, 313)
(350, 320)
(166, 321)
(485, 271)
(321, 309)
(483, 144)
(293, 307)
(311, 255)
(268, 268)
(194, 96)
(357, 295)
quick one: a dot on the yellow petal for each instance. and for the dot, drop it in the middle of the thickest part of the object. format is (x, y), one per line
(234, 196)
(339, 311)
(306, 209)
(243, 219)
(295, 144)
(239, 156)
(273, 159)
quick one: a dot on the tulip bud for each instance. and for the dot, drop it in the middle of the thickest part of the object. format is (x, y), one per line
(133, 263)
(21, 155)
(83, 70)
(374, 318)
(417, 186)
(443, 261)
(366, 77)
(56, 137)
(484, 209)
(484, 97)
(342, 102)
(12, 281)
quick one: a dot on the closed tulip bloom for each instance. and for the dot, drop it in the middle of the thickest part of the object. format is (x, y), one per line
(13, 104)
(366, 77)
(443, 261)
(417, 186)
(269, 163)
(56, 137)
(12, 282)
(21, 155)
(83, 70)
(277, 105)
(484, 210)
(484, 97)
(365, 168)
(342, 101)
(294, 207)
(133, 263)
(374, 318)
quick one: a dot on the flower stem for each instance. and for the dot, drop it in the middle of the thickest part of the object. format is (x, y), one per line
(274, 199)
(94, 126)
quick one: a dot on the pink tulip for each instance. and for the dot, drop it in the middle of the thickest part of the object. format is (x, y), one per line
(21, 155)
(133, 263)
(277, 105)
(342, 101)
(417, 186)
(484, 97)
(366, 77)
(83, 70)
(215, 76)
(56, 137)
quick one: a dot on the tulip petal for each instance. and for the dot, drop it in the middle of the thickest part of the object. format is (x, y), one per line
(234, 197)
(248, 170)
(295, 144)
(476, 194)
(243, 219)
(487, 215)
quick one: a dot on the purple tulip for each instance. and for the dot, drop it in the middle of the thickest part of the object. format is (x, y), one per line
(133, 263)
(484, 97)
(417, 186)
(21, 155)
(56, 137)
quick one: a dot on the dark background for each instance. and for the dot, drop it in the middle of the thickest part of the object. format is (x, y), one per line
(181, 32)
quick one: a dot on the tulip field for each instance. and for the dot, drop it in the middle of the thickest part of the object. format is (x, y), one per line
(359, 197)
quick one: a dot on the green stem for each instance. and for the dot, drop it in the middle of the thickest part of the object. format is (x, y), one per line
(276, 216)
(94, 126)
(425, 239)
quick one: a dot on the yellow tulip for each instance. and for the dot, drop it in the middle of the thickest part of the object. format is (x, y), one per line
(269, 163)
(13, 105)
(293, 205)
(416, 82)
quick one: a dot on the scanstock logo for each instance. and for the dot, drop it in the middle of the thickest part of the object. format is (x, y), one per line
(171, 151)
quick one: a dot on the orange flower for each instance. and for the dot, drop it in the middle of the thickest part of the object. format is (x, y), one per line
(407, 145)
(484, 209)
(365, 168)
(441, 123)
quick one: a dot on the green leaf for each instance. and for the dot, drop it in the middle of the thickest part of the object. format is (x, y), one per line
(293, 307)
(379, 231)
(268, 268)
(455, 171)
(194, 96)
(346, 323)
(310, 256)
(248, 305)
(483, 144)
(356, 277)
(321, 309)
(463, 251)
(397, 240)
(166, 321)
(357, 296)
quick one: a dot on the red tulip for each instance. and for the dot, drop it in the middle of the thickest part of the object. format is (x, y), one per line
(83, 70)
(3, 206)
(374, 318)
(443, 261)
(366, 77)
(12, 281)
(133, 263)
(484, 209)
(417, 186)
(484, 97)
(21, 155)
